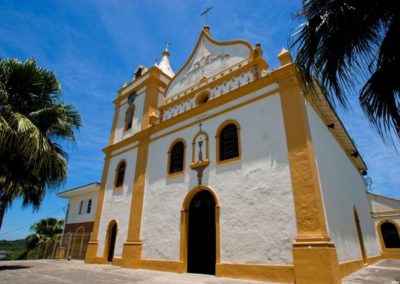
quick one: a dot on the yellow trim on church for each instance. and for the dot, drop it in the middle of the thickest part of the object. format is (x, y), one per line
(314, 254)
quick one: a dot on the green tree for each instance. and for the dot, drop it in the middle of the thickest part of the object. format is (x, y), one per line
(33, 122)
(343, 41)
(45, 230)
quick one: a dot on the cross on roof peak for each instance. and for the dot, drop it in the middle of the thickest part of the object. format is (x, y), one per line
(205, 14)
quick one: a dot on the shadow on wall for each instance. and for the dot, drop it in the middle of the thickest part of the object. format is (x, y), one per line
(350, 240)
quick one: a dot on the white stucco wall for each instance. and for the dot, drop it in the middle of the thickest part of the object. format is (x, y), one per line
(257, 221)
(342, 188)
(116, 204)
(74, 205)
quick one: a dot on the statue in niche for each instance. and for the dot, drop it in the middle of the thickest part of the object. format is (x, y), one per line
(199, 156)
(200, 153)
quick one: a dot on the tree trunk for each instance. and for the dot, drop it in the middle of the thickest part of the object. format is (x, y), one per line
(2, 211)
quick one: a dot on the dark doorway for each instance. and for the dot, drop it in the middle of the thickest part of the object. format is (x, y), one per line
(201, 234)
(111, 242)
(390, 235)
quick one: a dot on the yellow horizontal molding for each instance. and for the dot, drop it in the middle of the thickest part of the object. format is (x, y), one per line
(386, 212)
(115, 153)
(133, 243)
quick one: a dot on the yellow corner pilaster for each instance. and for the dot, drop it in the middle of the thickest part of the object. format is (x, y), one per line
(314, 254)
(91, 252)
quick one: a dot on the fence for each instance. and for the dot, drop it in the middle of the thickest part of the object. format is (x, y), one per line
(68, 245)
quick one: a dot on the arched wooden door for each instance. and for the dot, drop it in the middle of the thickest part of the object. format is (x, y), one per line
(112, 236)
(201, 234)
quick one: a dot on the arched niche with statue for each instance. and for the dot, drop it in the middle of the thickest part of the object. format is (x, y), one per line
(200, 153)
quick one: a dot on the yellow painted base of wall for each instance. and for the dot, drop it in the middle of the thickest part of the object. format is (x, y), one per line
(260, 272)
(312, 265)
(162, 265)
(374, 259)
(117, 261)
(349, 267)
(273, 273)
(316, 265)
(97, 260)
(391, 254)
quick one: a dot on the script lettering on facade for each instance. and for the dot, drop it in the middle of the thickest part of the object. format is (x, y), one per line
(204, 61)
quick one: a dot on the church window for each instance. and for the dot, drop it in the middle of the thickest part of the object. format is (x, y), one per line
(176, 157)
(228, 142)
(120, 174)
(129, 117)
(80, 207)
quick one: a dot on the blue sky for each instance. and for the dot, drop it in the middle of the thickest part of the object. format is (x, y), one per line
(94, 46)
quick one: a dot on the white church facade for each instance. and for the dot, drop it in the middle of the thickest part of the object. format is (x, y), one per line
(226, 168)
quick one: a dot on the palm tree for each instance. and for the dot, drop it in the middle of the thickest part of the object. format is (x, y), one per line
(33, 121)
(49, 227)
(343, 41)
(45, 234)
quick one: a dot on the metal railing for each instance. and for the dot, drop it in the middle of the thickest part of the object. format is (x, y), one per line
(63, 246)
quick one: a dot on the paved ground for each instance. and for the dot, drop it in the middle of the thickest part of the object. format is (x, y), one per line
(382, 272)
(63, 272)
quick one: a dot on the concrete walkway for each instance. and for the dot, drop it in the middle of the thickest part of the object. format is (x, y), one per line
(381, 272)
(63, 271)
(76, 272)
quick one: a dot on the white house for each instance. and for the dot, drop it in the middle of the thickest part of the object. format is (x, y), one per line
(82, 203)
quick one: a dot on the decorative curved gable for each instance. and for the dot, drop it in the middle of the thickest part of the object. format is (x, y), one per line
(208, 58)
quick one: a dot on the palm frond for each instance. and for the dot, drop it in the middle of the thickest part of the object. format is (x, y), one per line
(380, 97)
(32, 119)
(342, 42)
